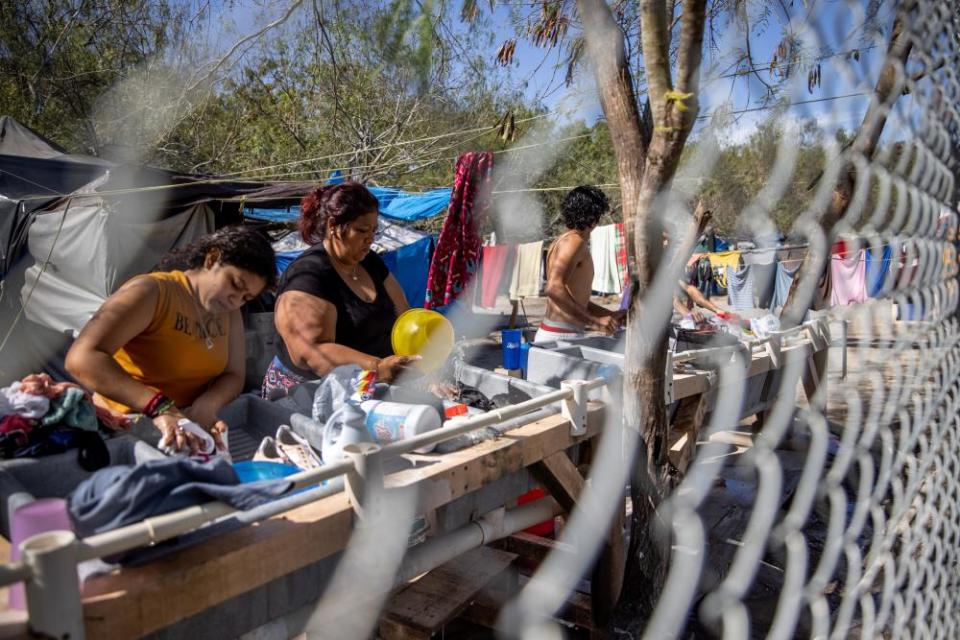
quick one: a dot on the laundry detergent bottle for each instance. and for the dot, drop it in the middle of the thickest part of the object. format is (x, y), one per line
(392, 421)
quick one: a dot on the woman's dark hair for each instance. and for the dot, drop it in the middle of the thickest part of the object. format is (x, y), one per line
(239, 246)
(583, 207)
(341, 203)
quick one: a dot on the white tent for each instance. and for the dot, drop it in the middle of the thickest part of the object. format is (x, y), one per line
(87, 246)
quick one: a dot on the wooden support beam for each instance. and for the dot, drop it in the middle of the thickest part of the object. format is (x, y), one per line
(136, 601)
(561, 478)
(811, 379)
(423, 607)
(687, 426)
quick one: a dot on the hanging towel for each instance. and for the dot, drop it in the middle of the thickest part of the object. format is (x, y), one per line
(603, 252)
(782, 283)
(494, 264)
(877, 269)
(622, 255)
(527, 271)
(764, 269)
(740, 287)
(457, 255)
(721, 261)
(848, 278)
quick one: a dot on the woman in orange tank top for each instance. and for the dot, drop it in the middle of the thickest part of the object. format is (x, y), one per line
(170, 344)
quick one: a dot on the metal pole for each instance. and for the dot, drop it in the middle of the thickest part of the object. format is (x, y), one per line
(53, 593)
(843, 347)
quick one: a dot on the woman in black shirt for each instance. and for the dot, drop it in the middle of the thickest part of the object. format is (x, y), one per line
(337, 302)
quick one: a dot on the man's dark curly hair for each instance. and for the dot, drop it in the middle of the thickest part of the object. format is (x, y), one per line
(241, 247)
(583, 207)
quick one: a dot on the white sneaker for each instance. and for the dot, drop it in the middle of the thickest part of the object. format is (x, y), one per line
(297, 449)
(268, 451)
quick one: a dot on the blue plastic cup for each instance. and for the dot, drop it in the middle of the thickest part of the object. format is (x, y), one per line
(510, 340)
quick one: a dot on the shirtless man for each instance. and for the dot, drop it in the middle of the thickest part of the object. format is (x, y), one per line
(570, 272)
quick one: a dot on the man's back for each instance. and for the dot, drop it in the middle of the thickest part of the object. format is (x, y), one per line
(569, 266)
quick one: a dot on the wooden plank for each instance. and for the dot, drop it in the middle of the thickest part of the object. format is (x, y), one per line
(606, 580)
(140, 600)
(423, 607)
(576, 611)
(689, 422)
(690, 384)
(561, 478)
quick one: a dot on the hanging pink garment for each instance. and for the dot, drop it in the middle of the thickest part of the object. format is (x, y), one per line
(494, 264)
(848, 275)
(457, 255)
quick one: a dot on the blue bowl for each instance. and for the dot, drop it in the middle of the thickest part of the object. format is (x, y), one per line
(254, 470)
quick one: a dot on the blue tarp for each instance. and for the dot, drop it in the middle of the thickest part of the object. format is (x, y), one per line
(394, 204)
(409, 265)
(284, 258)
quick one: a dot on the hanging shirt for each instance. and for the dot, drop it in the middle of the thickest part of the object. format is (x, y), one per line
(877, 268)
(740, 287)
(171, 355)
(848, 276)
(722, 261)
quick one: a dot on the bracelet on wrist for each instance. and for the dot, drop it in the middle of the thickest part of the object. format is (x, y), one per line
(158, 405)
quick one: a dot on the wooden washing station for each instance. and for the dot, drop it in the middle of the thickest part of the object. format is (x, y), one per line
(267, 572)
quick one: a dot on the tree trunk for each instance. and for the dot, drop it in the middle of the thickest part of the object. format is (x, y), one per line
(630, 139)
(646, 164)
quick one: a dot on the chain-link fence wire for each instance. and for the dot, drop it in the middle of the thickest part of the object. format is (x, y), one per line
(846, 506)
(840, 519)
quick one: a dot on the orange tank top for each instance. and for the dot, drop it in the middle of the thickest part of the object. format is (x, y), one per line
(171, 355)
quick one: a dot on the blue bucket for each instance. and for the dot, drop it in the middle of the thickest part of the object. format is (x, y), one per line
(255, 470)
(510, 343)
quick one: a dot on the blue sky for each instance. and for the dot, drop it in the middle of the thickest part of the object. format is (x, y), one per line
(834, 28)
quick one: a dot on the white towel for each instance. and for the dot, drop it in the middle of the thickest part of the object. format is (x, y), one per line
(603, 252)
(527, 271)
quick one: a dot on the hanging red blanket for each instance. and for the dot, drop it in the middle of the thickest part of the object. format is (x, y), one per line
(457, 255)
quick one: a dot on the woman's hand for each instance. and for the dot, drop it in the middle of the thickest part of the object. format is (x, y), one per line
(173, 436)
(392, 366)
(208, 420)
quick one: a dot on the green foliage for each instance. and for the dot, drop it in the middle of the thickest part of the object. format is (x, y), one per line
(742, 170)
(371, 89)
(58, 56)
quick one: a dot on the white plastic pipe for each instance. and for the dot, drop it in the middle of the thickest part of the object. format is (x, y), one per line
(492, 526)
(170, 525)
(53, 591)
(460, 426)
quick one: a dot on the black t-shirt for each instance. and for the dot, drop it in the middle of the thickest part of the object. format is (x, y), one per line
(361, 325)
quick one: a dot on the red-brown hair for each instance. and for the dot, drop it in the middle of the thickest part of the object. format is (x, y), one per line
(342, 203)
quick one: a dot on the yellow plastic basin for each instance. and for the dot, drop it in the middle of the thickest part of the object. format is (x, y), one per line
(424, 333)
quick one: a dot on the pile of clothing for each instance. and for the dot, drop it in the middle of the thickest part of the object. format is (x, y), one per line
(40, 417)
